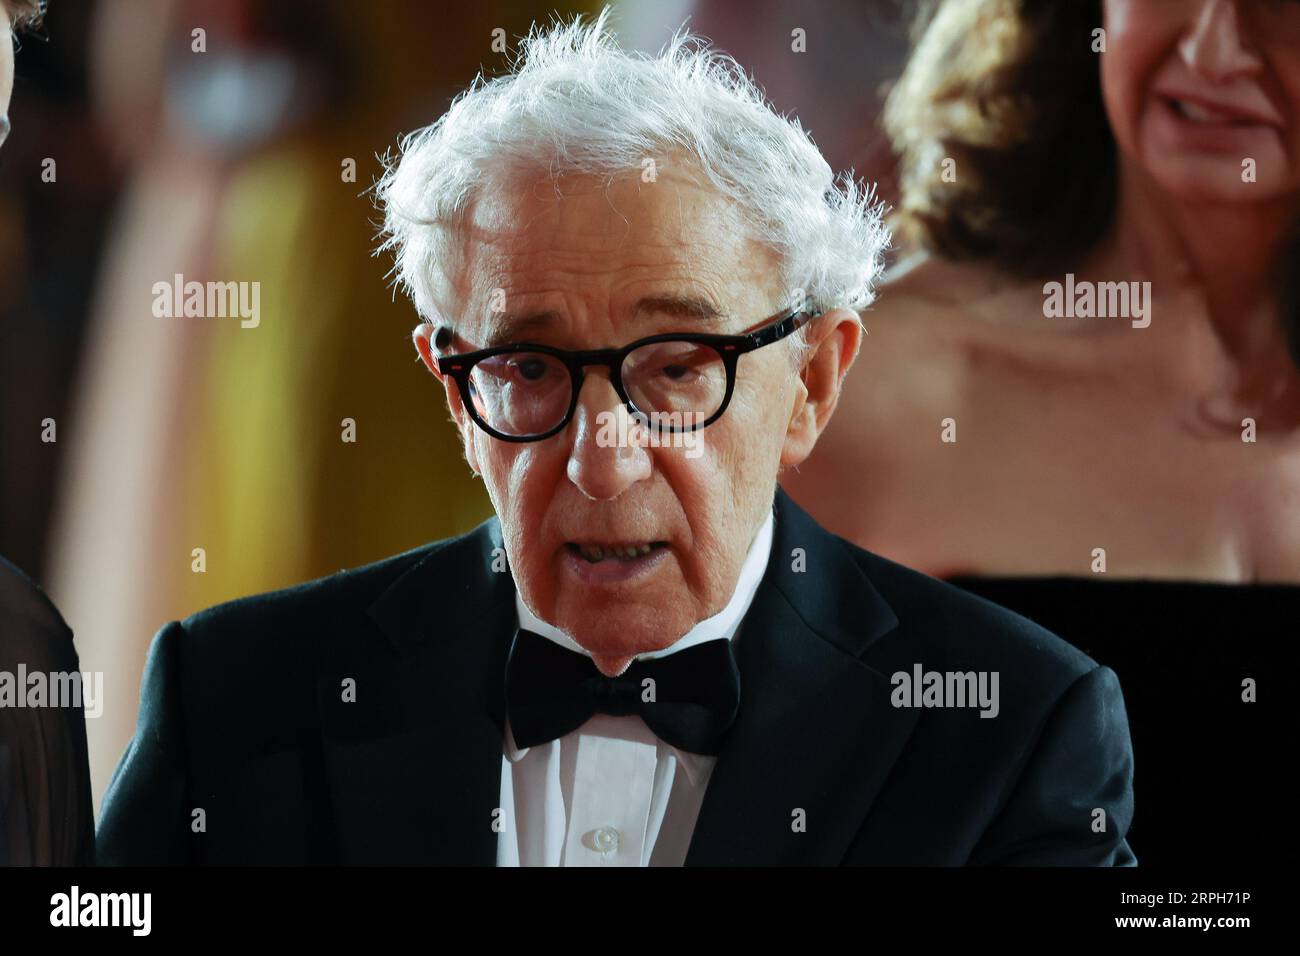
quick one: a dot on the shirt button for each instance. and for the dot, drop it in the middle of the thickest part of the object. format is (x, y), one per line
(605, 839)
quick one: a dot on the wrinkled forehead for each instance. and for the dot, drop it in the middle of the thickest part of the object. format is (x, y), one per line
(534, 245)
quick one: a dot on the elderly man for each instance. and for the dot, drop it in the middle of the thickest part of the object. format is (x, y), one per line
(638, 286)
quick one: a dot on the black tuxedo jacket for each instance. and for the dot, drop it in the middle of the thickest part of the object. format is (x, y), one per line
(247, 752)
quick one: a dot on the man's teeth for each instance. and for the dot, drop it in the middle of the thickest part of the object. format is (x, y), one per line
(595, 552)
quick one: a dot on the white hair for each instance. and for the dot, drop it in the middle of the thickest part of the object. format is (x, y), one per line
(575, 102)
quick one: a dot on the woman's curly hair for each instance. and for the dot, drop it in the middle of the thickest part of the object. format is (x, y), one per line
(1009, 90)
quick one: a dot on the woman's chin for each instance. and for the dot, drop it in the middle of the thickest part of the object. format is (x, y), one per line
(1216, 177)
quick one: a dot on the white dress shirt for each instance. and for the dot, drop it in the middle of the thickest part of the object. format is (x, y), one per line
(611, 793)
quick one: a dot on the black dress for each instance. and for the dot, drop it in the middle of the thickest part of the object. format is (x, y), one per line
(46, 816)
(1211, 770)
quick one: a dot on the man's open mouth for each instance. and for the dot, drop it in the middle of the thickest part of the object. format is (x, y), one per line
(595, 553)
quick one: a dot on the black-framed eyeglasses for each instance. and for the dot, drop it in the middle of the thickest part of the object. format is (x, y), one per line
(674, 382)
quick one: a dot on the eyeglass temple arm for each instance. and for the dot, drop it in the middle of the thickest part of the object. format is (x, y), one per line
(441, 341)
(779, 330)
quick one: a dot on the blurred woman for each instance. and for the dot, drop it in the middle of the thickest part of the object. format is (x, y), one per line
(1119, 463)
(993, 428)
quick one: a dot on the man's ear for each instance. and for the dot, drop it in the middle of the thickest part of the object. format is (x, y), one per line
(833, 342)
(422, 336)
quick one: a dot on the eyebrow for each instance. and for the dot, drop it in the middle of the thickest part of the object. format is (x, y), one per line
(513, 327)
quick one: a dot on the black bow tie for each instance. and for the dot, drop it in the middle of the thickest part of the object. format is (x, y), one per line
(691, 703)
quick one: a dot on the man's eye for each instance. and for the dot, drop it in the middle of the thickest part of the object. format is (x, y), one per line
(530, 369)
(677, 373)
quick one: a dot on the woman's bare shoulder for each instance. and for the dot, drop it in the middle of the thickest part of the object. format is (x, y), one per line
(939, 281)
(913, 357)
(942, 334)
(928, 287)
(924, 314)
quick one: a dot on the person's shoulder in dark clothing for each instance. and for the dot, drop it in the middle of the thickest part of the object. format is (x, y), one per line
(1059, 737)
(46, 813)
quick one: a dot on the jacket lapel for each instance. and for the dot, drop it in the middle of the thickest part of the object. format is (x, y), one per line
(796, 776)
(413, 765)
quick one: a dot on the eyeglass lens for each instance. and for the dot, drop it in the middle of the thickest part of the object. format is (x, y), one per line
(675, 384)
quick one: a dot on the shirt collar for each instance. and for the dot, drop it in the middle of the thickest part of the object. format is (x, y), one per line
(724, 624)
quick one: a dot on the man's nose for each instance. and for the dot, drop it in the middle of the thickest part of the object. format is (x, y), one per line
(1214, 45)
(605, 460)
